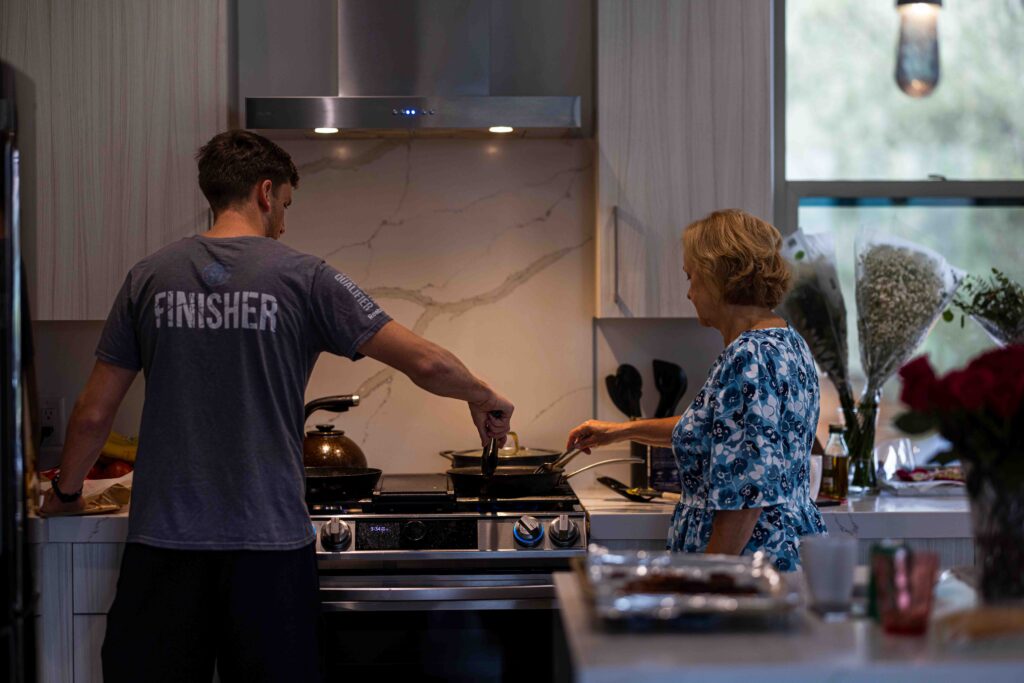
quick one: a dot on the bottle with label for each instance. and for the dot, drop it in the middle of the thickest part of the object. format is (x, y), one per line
(835, 466)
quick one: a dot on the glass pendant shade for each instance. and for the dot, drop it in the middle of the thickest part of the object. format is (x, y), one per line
(917, 57)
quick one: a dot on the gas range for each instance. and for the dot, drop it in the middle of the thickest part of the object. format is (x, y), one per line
(418, 517)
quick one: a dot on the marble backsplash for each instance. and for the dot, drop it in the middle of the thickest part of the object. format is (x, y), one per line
(483, 246)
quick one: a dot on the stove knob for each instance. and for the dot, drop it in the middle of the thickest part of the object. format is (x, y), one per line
(335, 535)
(564, 531)
(528, 531)
(414, 532)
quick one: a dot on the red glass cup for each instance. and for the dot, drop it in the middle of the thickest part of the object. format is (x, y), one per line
(905, 581)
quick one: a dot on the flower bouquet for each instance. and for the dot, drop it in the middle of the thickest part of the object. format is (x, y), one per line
(815, 308)
(902, 289)
(996, 303)
(980, 411)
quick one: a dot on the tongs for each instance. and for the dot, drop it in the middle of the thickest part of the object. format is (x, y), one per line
(558, 463)
(489, 459)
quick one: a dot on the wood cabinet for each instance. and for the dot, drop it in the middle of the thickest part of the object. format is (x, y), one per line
(683, 128)
(123, 93)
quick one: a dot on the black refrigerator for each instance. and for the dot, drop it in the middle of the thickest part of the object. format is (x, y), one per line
(17, 658)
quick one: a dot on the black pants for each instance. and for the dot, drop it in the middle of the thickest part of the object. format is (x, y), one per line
(176, 612)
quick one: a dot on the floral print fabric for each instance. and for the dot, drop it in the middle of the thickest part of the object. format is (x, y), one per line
(745, 442)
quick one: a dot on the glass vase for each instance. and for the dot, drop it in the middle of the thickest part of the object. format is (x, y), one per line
(997, 514)
(863, 478)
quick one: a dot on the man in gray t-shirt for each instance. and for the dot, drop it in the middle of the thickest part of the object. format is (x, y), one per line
(227, 327)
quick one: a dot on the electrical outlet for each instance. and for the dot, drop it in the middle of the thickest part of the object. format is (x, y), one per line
(52, 415)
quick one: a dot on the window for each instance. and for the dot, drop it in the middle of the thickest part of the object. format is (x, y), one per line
(854, 152)
(846, 119)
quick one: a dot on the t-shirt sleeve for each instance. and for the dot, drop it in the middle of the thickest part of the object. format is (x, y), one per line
(748, 454)
(344, 317)
(119, 343)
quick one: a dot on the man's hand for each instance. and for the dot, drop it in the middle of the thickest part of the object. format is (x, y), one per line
(493, 418)
(52, 505)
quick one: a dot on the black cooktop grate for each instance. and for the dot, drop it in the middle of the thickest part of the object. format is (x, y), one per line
(433, 494)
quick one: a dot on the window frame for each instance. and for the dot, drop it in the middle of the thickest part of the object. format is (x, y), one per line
(787, 194)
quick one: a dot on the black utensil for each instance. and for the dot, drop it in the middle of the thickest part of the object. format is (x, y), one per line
(671, 382)
(623, 490)
(631, 383)
(617, 395)
(489, 459)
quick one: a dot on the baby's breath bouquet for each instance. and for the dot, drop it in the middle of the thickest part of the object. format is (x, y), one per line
(996, 303)
(902, 288)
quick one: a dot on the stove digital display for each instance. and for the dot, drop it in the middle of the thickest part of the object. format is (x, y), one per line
(417, 534)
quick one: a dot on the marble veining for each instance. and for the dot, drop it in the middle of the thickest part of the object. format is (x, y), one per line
(483, 246)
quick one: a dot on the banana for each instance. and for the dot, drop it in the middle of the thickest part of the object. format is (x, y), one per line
(120, 447)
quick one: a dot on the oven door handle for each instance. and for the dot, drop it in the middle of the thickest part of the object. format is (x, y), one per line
(353, 594)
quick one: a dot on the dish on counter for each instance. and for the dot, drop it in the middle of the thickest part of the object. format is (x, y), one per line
(642, 590)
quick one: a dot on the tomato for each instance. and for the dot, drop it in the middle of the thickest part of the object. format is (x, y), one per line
(96, 472)
(49, 474)
(117, 468)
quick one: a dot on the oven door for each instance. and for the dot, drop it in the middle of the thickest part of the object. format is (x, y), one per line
(443, 627)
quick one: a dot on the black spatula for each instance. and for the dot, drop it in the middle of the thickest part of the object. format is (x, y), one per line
(671, 382)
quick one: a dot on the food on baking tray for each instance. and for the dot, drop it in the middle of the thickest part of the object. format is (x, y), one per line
(720, 584)
(931, 474)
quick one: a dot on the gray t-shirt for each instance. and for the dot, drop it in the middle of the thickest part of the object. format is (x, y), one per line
(227, 332)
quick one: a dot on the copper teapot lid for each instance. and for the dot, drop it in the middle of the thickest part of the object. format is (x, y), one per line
(325, 430)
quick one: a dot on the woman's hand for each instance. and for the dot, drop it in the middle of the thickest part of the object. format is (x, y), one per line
(594, 433)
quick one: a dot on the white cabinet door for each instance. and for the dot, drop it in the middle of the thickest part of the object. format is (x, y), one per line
(123, 94)
(96, 567)
(89, 632)
(683, 128)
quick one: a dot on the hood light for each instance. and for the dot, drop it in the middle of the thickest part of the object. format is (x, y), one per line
(325, 131)
(501, 129)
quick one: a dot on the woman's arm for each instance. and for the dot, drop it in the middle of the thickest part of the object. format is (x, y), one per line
(731, 530)
(594, 433)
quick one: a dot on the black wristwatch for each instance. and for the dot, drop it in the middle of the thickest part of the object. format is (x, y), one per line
(64, 497)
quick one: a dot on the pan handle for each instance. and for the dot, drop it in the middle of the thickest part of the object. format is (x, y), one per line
(447, 455)
(602, 462)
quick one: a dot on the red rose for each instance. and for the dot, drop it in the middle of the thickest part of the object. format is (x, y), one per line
(1005, 397)
(973, 388)
(919, 384)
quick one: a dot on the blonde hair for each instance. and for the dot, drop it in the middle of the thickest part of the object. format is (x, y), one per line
(737, 255)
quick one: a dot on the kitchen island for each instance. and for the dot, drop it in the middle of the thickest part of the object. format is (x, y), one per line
(812, 650)
(939, 524)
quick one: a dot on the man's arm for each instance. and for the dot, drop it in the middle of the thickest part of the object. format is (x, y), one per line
(438, 371)
(88, 429)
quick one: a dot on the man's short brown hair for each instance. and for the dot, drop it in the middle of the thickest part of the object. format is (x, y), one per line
(737, 254)
(235, 160)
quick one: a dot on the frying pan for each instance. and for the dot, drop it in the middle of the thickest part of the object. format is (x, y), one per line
(514, 482)
(332, 484)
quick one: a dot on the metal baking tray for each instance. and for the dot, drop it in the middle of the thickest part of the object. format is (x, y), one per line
(611, 581)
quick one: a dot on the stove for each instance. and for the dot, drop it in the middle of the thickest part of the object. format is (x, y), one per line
(418, 582)
(418, 517)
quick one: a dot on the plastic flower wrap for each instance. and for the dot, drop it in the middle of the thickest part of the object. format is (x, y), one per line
(815, 308)
(902, 289)
(997, 304)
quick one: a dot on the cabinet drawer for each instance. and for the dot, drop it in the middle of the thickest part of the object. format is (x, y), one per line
(95, 569)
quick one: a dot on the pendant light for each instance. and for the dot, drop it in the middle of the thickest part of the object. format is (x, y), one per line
(917, 57)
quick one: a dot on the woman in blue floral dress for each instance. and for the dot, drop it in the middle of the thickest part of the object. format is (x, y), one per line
(743, 446)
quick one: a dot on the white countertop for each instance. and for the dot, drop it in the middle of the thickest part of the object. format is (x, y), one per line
(853, 650)
(613, 517)
(881, 516)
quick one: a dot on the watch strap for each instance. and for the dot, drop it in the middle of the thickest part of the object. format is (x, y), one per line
(64, 497)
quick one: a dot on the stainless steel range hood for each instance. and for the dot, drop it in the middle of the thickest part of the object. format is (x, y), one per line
(378, 68)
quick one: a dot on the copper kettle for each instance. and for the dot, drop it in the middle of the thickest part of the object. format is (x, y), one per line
(329, 447)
